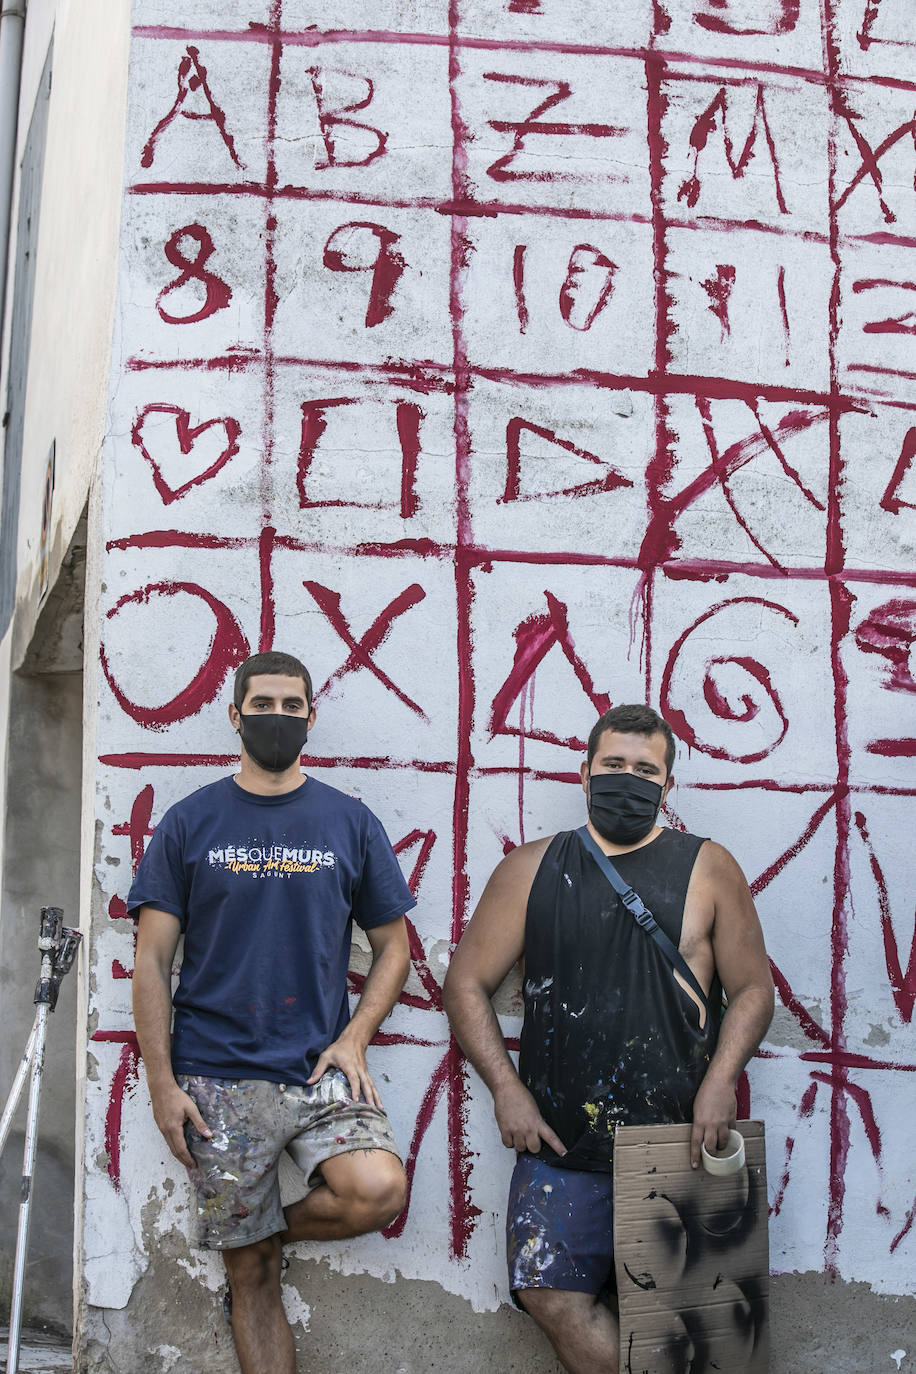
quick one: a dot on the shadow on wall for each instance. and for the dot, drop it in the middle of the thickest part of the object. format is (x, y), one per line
(41, 867)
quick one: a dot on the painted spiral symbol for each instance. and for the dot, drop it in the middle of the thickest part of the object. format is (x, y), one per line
(737, 689)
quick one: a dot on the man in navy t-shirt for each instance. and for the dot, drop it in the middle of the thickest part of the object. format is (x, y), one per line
(263, 874)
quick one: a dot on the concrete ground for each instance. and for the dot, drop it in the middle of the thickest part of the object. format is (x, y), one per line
(363, 1325)
(816, 1325)
(39, 1352)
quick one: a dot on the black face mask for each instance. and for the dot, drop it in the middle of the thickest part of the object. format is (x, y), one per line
(274, 741)
(623, 806)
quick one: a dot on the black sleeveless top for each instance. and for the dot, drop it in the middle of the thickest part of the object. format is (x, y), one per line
(609, 1037)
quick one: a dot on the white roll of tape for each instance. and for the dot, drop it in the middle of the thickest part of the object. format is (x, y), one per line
(726, 1161)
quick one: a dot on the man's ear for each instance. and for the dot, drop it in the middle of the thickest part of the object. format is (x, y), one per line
(234, 715)
(311, 719)
(583, 774)
(668, 786)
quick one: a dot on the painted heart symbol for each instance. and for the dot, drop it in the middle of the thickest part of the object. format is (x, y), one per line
(187, 436)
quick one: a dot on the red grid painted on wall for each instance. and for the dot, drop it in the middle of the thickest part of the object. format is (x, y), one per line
(743, 264)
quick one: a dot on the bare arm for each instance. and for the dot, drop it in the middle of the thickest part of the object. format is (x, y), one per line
(492, 943)
(157, 940)
(386, 976)
(742, 964)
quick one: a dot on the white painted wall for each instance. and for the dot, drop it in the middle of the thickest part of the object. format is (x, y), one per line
(769, 608)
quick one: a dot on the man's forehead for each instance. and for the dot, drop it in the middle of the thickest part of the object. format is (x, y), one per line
(275, 685)
(615, 743)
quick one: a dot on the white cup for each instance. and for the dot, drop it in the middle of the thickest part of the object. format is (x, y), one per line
(728, 1160)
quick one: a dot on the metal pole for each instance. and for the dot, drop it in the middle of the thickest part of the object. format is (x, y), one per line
(28, 1167)
(58, 946)
(12, 1102)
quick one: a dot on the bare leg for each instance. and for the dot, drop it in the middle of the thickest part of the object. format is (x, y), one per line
(580, 1329)
(362, 1191)
(263, 1340)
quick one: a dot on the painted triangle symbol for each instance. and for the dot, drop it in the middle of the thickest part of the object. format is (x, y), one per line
(540, 464)
(534, 639)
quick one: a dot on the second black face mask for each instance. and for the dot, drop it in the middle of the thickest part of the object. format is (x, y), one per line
(623, 806)
(275, 741)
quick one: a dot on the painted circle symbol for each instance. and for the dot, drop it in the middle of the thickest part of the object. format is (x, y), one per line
(227, 648)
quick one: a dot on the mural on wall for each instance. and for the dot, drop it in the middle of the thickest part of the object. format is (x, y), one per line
(506, 361)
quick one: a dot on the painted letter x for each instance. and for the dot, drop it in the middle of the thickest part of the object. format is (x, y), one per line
(361, 651)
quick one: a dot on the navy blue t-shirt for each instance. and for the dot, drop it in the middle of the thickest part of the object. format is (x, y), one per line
(266, 889)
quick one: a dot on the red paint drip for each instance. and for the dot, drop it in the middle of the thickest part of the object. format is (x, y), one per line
(719, 289)
(518, 282)
(661, 465)
(840, 610)
(525, 721)
(409, 417)
(463, 1212)
(271, 299)
(268, 610)
(905, 1228)
(784, 309)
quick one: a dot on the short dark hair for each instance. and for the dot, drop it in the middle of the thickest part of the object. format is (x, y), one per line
(632, 719)
(273, 664)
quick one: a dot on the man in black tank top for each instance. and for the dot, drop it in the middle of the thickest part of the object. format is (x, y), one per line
(613, 1032)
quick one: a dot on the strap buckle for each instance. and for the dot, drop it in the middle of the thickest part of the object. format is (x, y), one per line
(641, 913)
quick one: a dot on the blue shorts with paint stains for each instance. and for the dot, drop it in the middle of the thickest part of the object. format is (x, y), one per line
(559, 1228)
(253, 1121)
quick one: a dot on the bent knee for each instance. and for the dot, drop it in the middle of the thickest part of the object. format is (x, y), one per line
(253, 1266)
(373, 1188)
(554, 1308)
(537, 1301)
(381, 1190)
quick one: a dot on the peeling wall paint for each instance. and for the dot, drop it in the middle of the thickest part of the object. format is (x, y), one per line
(506, 361)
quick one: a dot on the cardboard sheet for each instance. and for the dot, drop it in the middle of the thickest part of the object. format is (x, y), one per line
(691, 1255)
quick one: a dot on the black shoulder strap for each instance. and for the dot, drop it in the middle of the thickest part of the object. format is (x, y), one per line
(641, 913)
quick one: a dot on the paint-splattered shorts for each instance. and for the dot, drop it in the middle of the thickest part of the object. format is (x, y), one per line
(253, 1122)
(559, 1228)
